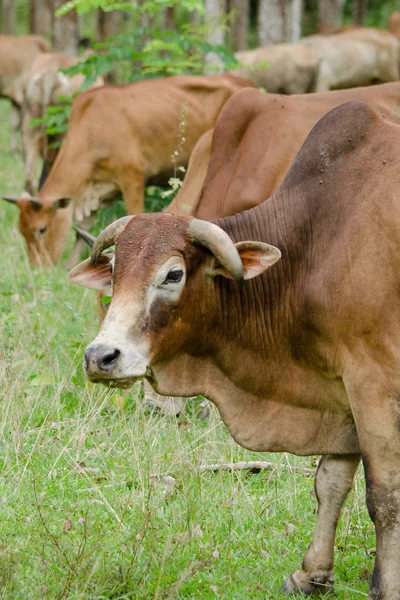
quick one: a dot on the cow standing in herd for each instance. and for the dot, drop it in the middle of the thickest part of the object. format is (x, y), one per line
(299, 356)
(271, 285)
(17, 55)
(108, 152)
(256, 140)
(45, 85)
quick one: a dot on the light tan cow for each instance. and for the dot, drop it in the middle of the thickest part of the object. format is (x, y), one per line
(17, 55)
(44, 86)
(119, 138)
(287, 68)
(355, 58)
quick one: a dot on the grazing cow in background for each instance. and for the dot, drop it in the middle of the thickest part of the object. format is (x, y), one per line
(288, 68)
(302, 356)
(16, 58)
(119, 138)
(257, 137)
(361, 56)
(43, 88)
(333, 29)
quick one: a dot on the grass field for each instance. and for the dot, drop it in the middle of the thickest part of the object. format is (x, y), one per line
(80, 514)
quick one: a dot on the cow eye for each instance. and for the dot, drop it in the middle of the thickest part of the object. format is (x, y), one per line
(173, 277)
(43, 230)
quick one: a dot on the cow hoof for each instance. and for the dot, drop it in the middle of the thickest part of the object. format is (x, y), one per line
(315, 584)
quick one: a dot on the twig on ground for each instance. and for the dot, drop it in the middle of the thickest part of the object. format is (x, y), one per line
(254, 466)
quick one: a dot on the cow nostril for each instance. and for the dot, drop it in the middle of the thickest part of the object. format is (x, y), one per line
(101, 358)
(108, 360)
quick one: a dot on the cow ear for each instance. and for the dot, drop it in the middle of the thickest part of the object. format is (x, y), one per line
(61, 203)
(256, 258)
(96, 277)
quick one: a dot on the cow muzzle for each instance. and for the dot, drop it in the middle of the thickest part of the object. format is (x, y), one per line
(113, 366)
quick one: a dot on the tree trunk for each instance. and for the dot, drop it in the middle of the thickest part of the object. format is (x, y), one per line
(169, 18)
(40, 17)
(279, 21)
(330, 12)
(195, 17)
(293, 14)
(8, 16)
(107, 24)
(214, 13)
(65, 30)
(359, 11)
(241, 24)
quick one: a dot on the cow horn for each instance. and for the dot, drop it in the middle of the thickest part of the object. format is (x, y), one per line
(219, 244)
(35, 201)
(85, 235)
(12, 199)
(108, 236)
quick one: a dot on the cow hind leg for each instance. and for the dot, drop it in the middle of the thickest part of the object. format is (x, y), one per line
(333, 482)
(374, 394)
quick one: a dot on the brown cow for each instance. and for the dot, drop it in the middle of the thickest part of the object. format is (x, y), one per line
(45, 84)
(118, 138)
(257, 137)
(16, 57)
(302, 357)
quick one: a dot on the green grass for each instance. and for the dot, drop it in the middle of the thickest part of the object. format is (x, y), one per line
(79, 514)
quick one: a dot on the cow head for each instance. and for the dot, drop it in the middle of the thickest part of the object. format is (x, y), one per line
(165, 279)
(44, 225)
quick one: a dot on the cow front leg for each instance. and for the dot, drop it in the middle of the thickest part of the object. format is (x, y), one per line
(15, 125)
(132, 188)
(333, 482)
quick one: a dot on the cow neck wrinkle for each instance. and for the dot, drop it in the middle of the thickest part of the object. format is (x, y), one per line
(260, 313)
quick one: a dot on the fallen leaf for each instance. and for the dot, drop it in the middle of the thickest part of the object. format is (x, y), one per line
(119, 401)
(214, 589)
(290, 527)
(67, 524)
(264, 554)
(41, 380)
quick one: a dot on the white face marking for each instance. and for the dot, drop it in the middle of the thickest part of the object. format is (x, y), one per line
(135, 356)
(168, 282)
